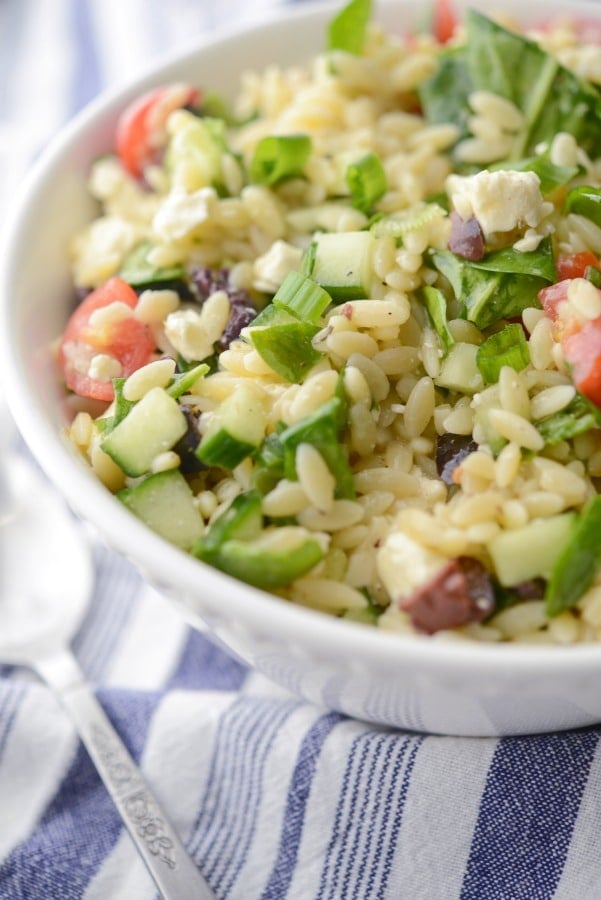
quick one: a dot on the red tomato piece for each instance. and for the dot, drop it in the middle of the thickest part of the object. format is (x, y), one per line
(126, 340)
(582, 351)
(140, 135)
(445, 21)
(575, 265)
(551, 296)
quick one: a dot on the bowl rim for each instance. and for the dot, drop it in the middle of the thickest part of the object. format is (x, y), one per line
(140, 544)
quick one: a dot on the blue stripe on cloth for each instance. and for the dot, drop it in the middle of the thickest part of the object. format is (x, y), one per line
(114, 599)
(228, 812)
(526, 817)
(81, 825)
(204, 666)
(87, 78)
(296, 804)
(368, 817)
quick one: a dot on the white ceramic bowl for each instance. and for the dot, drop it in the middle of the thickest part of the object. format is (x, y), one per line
(413, 683)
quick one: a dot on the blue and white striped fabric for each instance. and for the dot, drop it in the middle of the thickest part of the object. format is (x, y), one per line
(274, 798)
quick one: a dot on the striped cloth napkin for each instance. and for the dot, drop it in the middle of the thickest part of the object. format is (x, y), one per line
(273, 797)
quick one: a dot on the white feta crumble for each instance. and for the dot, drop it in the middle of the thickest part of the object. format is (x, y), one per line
(104, 368)
(501, 201)
(99, 250)
(404, 565)
(270, 269)
(182, 212)
(185, 330)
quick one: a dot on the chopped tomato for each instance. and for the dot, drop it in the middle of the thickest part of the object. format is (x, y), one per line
(141, 134)
(445, 21)
(582, 351)
(125, 342)
(551, 296)
(575, 265)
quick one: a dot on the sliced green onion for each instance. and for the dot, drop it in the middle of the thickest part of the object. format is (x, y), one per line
(366, 180)
(321, 429)
(183, 381)
(576, 567)
(287, 347)
(348, 29)
(585, 201)
(302, 297)
(436, 304)
(279, 157)
(505, 348)
(308, 260)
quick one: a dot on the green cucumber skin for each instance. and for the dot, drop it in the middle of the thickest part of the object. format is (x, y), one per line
(152, 426)
(165, 502)
(262, 568)
(577, 565)
(242, 520)
(223, 450)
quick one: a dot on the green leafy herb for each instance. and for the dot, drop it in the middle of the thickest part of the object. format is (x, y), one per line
(279, 157)
(508, 347)
(585, 201)
(348, 29)
(436, 304)
(575, 569)
(501, 285)
(121, 407)
(366, 180)
(495, 59)
(578, 417)
(593, 274)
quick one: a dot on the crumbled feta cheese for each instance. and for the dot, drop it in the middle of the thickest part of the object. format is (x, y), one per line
(181, 212)
(185, 330)
(404, 565)
(500, 201)
(99, 250)
(104, 367)
(270, 269)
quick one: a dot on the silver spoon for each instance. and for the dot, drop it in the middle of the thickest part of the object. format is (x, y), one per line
(46, 579)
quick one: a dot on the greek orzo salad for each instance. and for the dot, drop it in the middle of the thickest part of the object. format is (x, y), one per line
(341, 339)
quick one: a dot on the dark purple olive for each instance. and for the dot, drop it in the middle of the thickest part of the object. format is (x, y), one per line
(242, 311)
(186, 446)
(460, 593)
(451, 450)
(466, 238)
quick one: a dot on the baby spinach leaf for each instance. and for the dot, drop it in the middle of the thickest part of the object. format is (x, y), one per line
(578, 417)
(494, 59)
(501, 285)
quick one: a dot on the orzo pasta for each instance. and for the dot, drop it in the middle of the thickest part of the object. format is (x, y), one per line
(347, 330)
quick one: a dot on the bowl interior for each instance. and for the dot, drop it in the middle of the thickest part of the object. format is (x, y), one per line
(36, 297)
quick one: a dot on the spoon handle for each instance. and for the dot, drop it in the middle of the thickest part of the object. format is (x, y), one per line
(174, 872)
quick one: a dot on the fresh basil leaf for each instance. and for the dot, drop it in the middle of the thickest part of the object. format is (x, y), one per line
(578, 563)
(121, 407)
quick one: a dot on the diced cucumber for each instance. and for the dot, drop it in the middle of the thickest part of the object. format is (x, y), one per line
(459, 370)
(530, 552)
(242, 520)
(269, 562)
(155, 424)
(343, 264)
(165, 503)
(236, 429)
